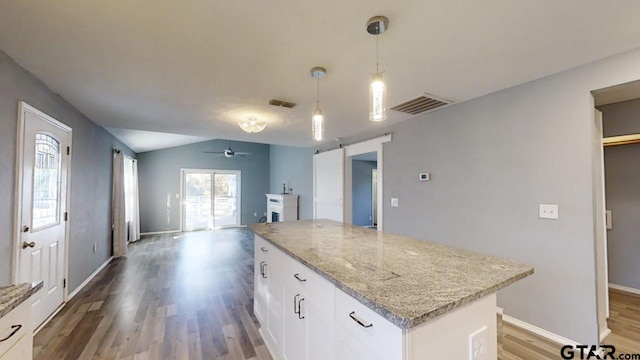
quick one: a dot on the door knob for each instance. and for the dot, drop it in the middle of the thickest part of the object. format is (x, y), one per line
(26, 244)
(25, 228)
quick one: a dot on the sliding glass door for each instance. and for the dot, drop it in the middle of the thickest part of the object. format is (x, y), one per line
(210, 199)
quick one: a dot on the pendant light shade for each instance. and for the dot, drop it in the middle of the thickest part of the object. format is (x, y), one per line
(377, 99)
(317, 120)
(317, 124)
(377, 90)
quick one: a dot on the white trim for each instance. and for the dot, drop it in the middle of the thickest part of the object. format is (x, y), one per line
(46, 321)
(606, 332)
(23, 107)
(624, 288)
(161, 232)
(88, 279)
(539, 331)
(371, 145)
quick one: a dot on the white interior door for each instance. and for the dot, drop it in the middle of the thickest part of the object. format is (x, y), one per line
(328, 185)
(42, 218)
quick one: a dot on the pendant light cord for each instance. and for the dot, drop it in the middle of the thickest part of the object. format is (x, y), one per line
(377, 53)
(318, 92)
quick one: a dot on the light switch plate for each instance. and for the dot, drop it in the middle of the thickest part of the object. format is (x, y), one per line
(548, 211)
(394, 202)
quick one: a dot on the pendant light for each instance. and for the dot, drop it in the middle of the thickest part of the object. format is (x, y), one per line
(317, 120)
(377, 90)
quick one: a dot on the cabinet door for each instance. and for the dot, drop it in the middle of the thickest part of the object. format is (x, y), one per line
(295, 323)
(275, 310)
(23, 349)
(348, 347)
(260, 289)
(320, 332)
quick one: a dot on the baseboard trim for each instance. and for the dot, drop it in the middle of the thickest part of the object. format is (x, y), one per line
(624, 288)
(86, 281)
(539, 331)
(160, 232)
(604, 333)
(46, 321)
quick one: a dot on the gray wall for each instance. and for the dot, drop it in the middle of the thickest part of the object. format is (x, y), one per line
(492, 161)
(159, 177)
(361, 195)
(90, 207)
(293, 166)
(622, 179)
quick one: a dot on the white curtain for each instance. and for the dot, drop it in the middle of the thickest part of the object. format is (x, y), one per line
(126, 204)
(118, 206)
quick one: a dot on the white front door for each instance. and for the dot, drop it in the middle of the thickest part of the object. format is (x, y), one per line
(328, 185)
(43, 206)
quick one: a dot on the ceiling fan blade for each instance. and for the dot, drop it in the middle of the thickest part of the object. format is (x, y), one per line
(213, 152)
(243, 153)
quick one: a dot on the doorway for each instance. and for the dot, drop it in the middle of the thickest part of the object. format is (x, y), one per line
(41, 246)
(364, 171)
(211, 199)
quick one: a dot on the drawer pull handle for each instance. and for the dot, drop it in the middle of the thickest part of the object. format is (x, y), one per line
(296, 306)
(352, 315)
(264, 249)
(15, 328)
(297, 276)
(299, 309)
(263, 265)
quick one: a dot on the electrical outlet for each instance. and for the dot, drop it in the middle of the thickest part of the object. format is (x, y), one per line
(95, 247)
(255, 214)
(548, 211)
(479, 345)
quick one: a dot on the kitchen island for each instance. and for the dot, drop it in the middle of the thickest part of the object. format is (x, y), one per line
(16, 333)
(327, 290)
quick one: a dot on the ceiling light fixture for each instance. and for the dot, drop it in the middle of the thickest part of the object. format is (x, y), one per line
(252, 125)
(377, 90)
(317, 121)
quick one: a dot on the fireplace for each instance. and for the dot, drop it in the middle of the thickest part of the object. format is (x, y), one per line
(282, 207)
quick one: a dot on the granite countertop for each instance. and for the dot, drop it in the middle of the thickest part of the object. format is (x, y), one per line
(14, 295)
(408, 281)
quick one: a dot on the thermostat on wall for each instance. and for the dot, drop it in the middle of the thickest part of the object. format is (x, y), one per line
(424, 177)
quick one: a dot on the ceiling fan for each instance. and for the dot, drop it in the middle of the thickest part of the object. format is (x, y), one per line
(228, 152)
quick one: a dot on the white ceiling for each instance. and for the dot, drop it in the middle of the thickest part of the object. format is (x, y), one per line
(194, 67)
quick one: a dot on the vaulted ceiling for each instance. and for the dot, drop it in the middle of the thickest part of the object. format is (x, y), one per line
(194, 67)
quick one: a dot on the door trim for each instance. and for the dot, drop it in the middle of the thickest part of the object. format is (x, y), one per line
(371, 145)
(23, 108)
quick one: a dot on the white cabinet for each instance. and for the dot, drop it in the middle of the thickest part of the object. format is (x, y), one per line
(303, 316)
(15, 327)
(308, 331)
(294, 306)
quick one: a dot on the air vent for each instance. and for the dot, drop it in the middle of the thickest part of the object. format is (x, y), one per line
(421, 104)
(281, 103)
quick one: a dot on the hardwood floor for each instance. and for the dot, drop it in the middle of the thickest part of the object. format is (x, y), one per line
(190, 296)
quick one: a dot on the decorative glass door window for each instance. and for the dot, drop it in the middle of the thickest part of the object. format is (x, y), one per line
(46, 182)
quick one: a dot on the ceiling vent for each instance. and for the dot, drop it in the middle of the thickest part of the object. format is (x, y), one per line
(281, 103)
(421, 104)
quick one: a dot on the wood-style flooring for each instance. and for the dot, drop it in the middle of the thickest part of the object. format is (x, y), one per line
(190, 296)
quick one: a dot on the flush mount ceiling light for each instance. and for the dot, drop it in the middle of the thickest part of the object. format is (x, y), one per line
(377, 90)
(252, 125)
(317, 120)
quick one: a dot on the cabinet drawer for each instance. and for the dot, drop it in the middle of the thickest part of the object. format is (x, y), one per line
(374, 331)
(18, 316)
(321, 290)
